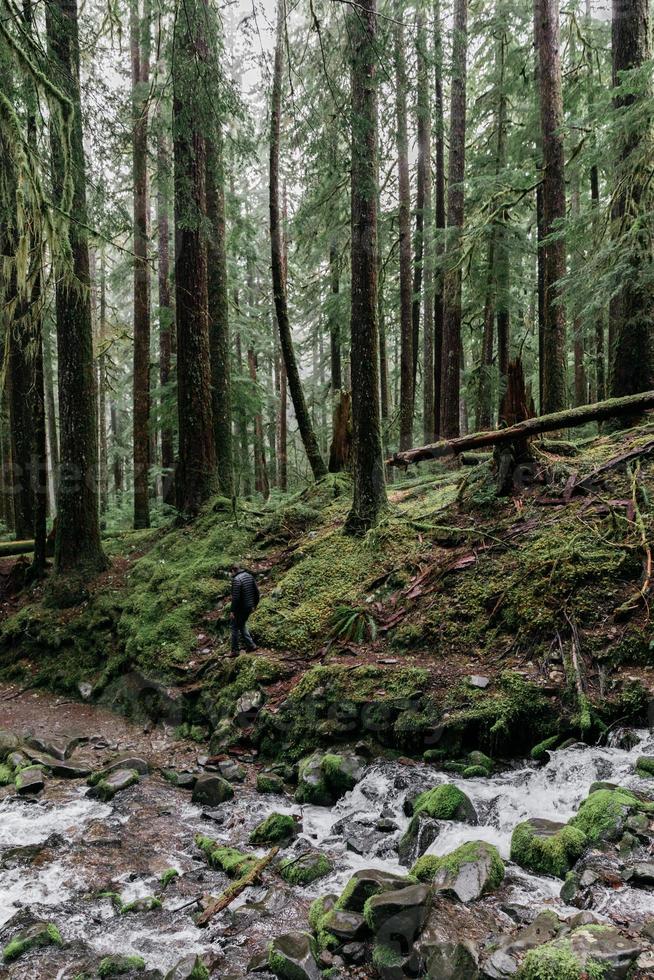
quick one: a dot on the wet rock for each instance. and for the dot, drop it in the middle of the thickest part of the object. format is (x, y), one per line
(306, 868)
(268, 782)
(504, 961)
(113, 783)
(441, 954)
(641, 874)
(603, 814)
(8, 743)
(624, 738)
(398, 913)
(419, 836)
(600, 946)
(69, 770)
(135, 762)
(247, 708)
(183, 780)
(324, 777)
(386, 825)
(85, 690)
(35, 936)
(354, 953)
(546, 847)
(30, 780)
(259, 963)
(390, 962)
(17, 759)
(346, 926)
(368, 882)
(60, 747)
(231, 771)
(472, 870)
(291, 956)
(277, 827)
(210, 790)
(118, 966)
(189, 968)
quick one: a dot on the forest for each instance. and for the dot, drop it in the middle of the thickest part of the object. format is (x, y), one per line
(327, 331)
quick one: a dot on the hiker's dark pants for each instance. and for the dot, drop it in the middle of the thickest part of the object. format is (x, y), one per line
(240, 628)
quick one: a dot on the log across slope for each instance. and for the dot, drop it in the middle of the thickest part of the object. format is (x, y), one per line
(611, 408)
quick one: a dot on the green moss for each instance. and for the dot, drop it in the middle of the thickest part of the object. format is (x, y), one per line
(429, 865)
(267, 783)
(441, 802)
(472, 772)
(538, 752)
(22, 944)
(298, 872)
(386, 957)
(552, 855)
(196, 733)
(601, 814)
(6, 775)
(146, 904)
(275, 828)
(550, 962)
(234, 863)
(168, 876)
(282, 967)
(115, 966)
(645, 766)
(318, 909)
(105, 791)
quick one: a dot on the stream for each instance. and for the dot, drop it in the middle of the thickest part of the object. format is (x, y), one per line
(61, 851)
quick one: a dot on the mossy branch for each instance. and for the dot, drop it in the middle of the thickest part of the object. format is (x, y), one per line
(236, 888)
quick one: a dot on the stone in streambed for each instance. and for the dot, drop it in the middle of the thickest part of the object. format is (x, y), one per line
(60, 747)
(602, 947)
(39, 934)
(444, 802)
(402, 912)
(268, 782)
(290, 957)
(183, 780)
(126, 761)
(309, 867)
(69, 770)
(326, 776)
(277, 827)
(211, 790)
(30, 780)
(346, 926)
(442, 953)
(472, 870)
(368, 882)
(418, 838)
(8, 743)
(118, 966)
(645, 766)
(189, 968)
(546, 847)
(113, 783)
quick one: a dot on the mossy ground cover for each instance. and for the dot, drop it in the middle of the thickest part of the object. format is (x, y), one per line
(532, 571)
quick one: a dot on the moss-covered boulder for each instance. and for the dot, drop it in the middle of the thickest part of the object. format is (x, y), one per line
(118, 966)
(472, 870)
(402, 912)
(276, 828)
(445, 802)
(212, 790)
(547, 847)
(368, 882)
(234, 863)
(603, 814)
(29, 780)
(291, 957)
(645, 766)
(541, 751)
(8, 743)
(189, 968)
(418, 837)
(113, 783)
(306, 868)
(319, 907)
(591, 952)
(268, 782)
(326, 776)
(37, 935)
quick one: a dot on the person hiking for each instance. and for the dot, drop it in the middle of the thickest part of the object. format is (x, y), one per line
(245, 599)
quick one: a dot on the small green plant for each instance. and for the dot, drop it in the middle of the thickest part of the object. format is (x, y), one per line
(352, 624)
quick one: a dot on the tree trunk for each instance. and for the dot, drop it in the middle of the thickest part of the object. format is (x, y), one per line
(21, 420)
(196, 470)
(245, 483)
(424, 252)
(407, 373)
(282, 452)
(221, 386)
(455, 216)
(261, 484)
(102, 391)
(307, 432)
(369, 489)
(334, 318)
(140, 58)
(598, 340)
(546, 33)
(439, 219)
(484, 387)
(51, 414)
(632, 317)
(77, 538)
(166, 314)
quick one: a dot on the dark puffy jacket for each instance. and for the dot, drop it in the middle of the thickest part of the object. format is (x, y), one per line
(245, 594)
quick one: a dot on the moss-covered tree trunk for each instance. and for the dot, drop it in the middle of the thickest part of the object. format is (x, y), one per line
(77, 539)
(439, 218)
(166, 313)
(196, 470)
(368, 468)
(221, 385)
(140, 62)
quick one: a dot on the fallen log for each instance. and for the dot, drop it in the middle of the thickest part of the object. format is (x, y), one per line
(9, 549)
(631, 405)
(235, 889)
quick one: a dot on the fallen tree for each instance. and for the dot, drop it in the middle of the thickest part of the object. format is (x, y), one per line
(631, 405)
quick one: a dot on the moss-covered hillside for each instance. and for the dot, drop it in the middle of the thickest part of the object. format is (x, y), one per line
(543, 593)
